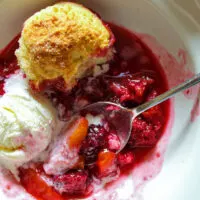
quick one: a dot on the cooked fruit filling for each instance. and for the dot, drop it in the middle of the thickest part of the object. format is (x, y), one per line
(84, 153)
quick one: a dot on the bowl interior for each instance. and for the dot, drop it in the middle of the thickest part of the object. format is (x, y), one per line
(146, 17)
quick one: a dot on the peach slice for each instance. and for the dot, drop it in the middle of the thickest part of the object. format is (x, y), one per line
(79, 132)
(105, 160)
(35, 185)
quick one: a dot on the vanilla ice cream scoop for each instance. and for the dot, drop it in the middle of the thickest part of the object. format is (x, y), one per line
(26, 127)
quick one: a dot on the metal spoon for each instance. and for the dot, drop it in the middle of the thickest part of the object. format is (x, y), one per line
(121, 118)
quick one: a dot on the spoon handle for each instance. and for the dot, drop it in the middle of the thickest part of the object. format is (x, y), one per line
(163, 97)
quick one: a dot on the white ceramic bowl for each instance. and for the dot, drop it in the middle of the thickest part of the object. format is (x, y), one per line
(175, 25)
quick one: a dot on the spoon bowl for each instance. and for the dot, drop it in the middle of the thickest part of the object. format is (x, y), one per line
(114, 113)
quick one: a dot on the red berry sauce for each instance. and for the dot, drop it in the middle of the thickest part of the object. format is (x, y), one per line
(8, 62)
(135, 76)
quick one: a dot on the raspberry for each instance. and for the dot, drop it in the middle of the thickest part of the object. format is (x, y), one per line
(140, 86)
(154, 115)
(93, 143)
(113, 142)
(152, 95)
(119, 89)
(125, 158)
(143, 134)
(129, 88)
(72, 183)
